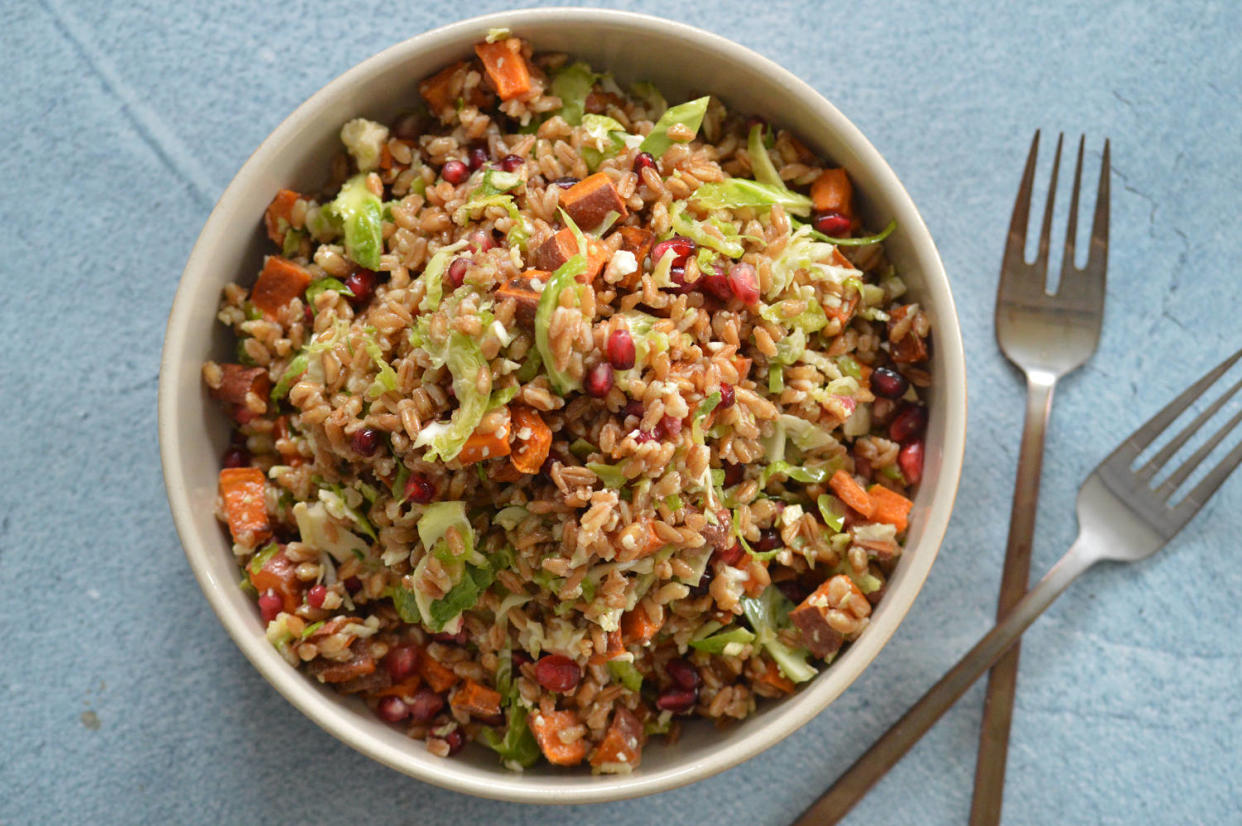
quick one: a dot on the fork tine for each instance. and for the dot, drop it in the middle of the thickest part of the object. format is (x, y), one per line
(1188, 467)
(1097, 254)
(1045, 230)
(1071, 229)
(1016, 242)
(1153, 465)
(1203, 491)
(1146, 434)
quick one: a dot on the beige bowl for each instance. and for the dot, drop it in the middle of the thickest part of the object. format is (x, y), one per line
(679, 59)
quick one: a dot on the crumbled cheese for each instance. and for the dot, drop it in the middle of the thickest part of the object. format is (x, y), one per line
(364, 139)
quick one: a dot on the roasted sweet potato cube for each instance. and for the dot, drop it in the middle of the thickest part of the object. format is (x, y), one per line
(359, 665)
(622, 744)
(476, 700)
(547, 728)
(237, 380)
(524, 290)
(910, 348)
(590, 200)
(562, 246)
(637, 241)
(811, 617)
(280, 282)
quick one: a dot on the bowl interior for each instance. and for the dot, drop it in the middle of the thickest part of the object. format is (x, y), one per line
(681, 61)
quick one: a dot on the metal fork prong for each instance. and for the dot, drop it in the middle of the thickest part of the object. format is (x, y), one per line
(1198, 496)
(1153, 465)
(1168, 486)
(1045, 229)
(1097, 253)
(1022, 205)
(1071, 229)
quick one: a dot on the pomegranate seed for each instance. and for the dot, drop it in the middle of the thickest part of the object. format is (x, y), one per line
(270, 604)
(241, 414)
(520, 658)
(681, 246)
(705, 582)
(403, 661)
(744, 283)
(425, 705)
(848, 404)
(668, 426)
(794, 590)
(457, 272)
(308, 316)
(733, 474)
(481, 241)
(599, 380)
(732, 555)
(512, 163)
(678, 276)
(832, 224)
(908, 423)
(457, 638)
(353, 585)
(888, 383)
(236, 457)
(392, 709)
(682, 673)
(677, 700)
(634, 408)
(769, 539)
(361, 283)
(566, 182)
(315, 596)
(643, 160)
(558, 673)
(418, 489)
(716, 283)
(726, 396)
(477, 156)
(456, 741)
(364, 441)
(910, 460)
(454, 172)
(620, 350)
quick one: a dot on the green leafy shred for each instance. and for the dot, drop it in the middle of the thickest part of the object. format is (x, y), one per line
(572, 84)
(650, 97)
(625, 673)
(297, 366)
(564, 278)
(323, 285)
(433, 276)
(471, 384)
(689, 114)
(612, 476)
(761, 161)
(386, 378)
(725, 240)
(502, 396)
(768, 614)
(833, 511)
(861, 241)
(398, 483)
(735, 193)
(360, 214)
(716, 643)
(799, 473)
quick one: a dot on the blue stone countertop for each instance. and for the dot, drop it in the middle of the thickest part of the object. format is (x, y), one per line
(122, 700)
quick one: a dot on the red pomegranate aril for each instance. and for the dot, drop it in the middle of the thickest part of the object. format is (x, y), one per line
(403, 661)
(458, 637)
(454, 172)
(634, 408)
(888, 383)
(908, 423)
(308, 316)
(716, 283)
(270, 604)
(732, 555)
(481, 241)
(668, 426)
(353, 585)
(392, 709)
(365, 441)
(425, 705)
(457, 272)
(477, 156)
(726, 396)
(599, 380)
(677, 700)
(620, 350)
(418, 489)
(794, 590)
(565, 182)
(236, 457)
(643, 160)
(769, 539)
(678, 276)
(832, 224)
(316, 595)
(361, 283)
(744, 283)
(910, 460)
(511, 163)
(643, 436)
(520, 658)
(456, 741)
(682, 673)
(558, 673)
(733, 474)
(681, 246)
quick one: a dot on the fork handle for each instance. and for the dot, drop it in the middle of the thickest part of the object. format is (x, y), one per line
(892, 746)
(989, 791)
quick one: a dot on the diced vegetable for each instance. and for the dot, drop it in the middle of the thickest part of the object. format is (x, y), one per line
(689, 114)
(833, 512)
(506, 67)
(740, 192)
(518, 747)
(832, 192)
(237, 381)
(278, 217)
(621, 748)
(280, 282)
(889, 506)
(716, 643)
(360, 214)
(772, 676)
(245, 507)
(611, 475)
(811, 617)
(559, 248)
(442, 89)
(364, 139)
(276, 573)
(476, 700)
(482, 446)
(767, 614)
(851, 493)
(532, 438)
(625, 672)
(439, 678)
(547, 728)
(637, 627)
(590, 201)
(525, 297)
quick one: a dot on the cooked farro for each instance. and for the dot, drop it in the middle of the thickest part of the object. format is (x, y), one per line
(564, 415)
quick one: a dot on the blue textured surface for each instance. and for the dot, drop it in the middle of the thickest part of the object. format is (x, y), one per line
(122, 124)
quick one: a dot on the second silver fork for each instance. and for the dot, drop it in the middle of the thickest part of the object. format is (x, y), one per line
(1046, 335)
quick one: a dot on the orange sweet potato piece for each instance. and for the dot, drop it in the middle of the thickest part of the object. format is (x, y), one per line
(531, 439)
(889, 506)
(590, 200)
(278, 218)
(637, 241)
(623, 741)
(547, 728)
(237, 380)
(910, 348)
(482, 446)
(616, 647)
(405, 688)
(359, 665)
(476, 700)
(522, 290)
(439, 678)
(845, 312)
(280, 282)
(241, 488)
(832, 192)
(506, 67)
(773, 677)
(562, 246)
(442, 89)
(278, 574)
(637, 628)
(851, 493)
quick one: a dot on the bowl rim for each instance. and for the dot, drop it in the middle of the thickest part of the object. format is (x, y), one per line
(799, 709)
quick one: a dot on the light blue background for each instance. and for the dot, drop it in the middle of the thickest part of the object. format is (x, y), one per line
(123, 123)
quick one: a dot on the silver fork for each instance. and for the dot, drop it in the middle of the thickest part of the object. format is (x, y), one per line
(1046, 335)
(1121, 517)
